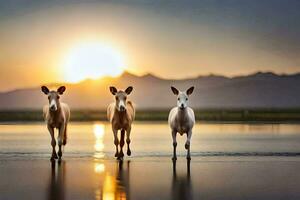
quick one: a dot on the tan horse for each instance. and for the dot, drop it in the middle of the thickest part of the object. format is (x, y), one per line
(121, 114)
(56, 115)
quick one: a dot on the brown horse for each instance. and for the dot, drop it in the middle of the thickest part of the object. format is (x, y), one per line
(56, 115)
(121, 115)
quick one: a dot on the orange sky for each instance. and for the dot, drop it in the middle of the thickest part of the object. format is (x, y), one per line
(35, 40)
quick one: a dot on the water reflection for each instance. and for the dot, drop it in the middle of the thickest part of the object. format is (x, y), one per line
(99, 131)
(56, 189)
(123, 181)
(114, 187)
(99, 167)
(181, 184)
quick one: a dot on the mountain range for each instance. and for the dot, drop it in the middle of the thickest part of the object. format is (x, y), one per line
(258, 90)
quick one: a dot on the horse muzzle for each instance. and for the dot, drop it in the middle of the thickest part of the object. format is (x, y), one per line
(122, 109)
(53, 108)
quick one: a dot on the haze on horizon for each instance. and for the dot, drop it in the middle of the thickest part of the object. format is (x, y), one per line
(171, 39)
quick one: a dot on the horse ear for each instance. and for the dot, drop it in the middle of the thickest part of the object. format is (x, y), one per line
(61, 89)
(174, 90)
(45, 90)
(113, 90)
(129, 90)
(190, 90)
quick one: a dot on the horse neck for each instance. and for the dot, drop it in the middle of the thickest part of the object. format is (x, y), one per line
(182, 114)
(56, 113)
(122, 114)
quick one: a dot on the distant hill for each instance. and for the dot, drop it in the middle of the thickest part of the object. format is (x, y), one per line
(259, 90)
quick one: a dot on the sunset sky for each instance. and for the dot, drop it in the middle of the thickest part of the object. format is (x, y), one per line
(40, 40)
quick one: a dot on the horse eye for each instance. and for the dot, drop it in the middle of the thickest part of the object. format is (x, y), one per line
(178, 99)
(48, 97)
(186, 99)
(117, 98)
(58, 97)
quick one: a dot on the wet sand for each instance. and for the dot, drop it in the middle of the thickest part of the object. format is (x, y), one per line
(159, 178)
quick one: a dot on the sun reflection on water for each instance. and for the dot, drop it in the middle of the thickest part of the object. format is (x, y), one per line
(99, 131)
(112, 185)
(109, 187)
(99, 167)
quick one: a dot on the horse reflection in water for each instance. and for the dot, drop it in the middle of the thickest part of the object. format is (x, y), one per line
(56, 190)
(117, 188)
(181, 185)
(123, 181)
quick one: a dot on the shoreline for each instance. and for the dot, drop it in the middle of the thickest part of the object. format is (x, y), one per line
(24, 122)
(253, 115)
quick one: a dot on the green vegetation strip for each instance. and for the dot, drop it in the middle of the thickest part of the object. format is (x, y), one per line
(259, 115)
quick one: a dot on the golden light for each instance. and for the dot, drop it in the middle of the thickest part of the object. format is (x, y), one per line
(92, 60)
(99, 131)
(99, 168)
(99, 147)
(109, 188)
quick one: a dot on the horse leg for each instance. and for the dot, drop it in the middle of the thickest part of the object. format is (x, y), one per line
(60, 140)
(116, 142)
(121, 154)
(128, 140)
(187, 145)
(174, 133)
(53, 143)
(65, 136)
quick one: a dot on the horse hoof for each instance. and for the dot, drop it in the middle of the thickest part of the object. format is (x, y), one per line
(52, 159)
(188, 157)
(119, 158)
(55, 156)
(116, 155)
(128, 152)
(174, 158)
(121, 155)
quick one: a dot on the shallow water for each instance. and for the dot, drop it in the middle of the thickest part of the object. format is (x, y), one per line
(229, 161)
(152, 139)
(139, 180)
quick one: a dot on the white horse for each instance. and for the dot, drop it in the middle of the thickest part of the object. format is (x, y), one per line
(121, 115)
(182, 119)
(56, 115)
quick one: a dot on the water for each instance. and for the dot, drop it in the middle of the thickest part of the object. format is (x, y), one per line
(229, 161)
(152, 139)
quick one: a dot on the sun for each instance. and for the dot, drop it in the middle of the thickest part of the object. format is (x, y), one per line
(92, 60)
